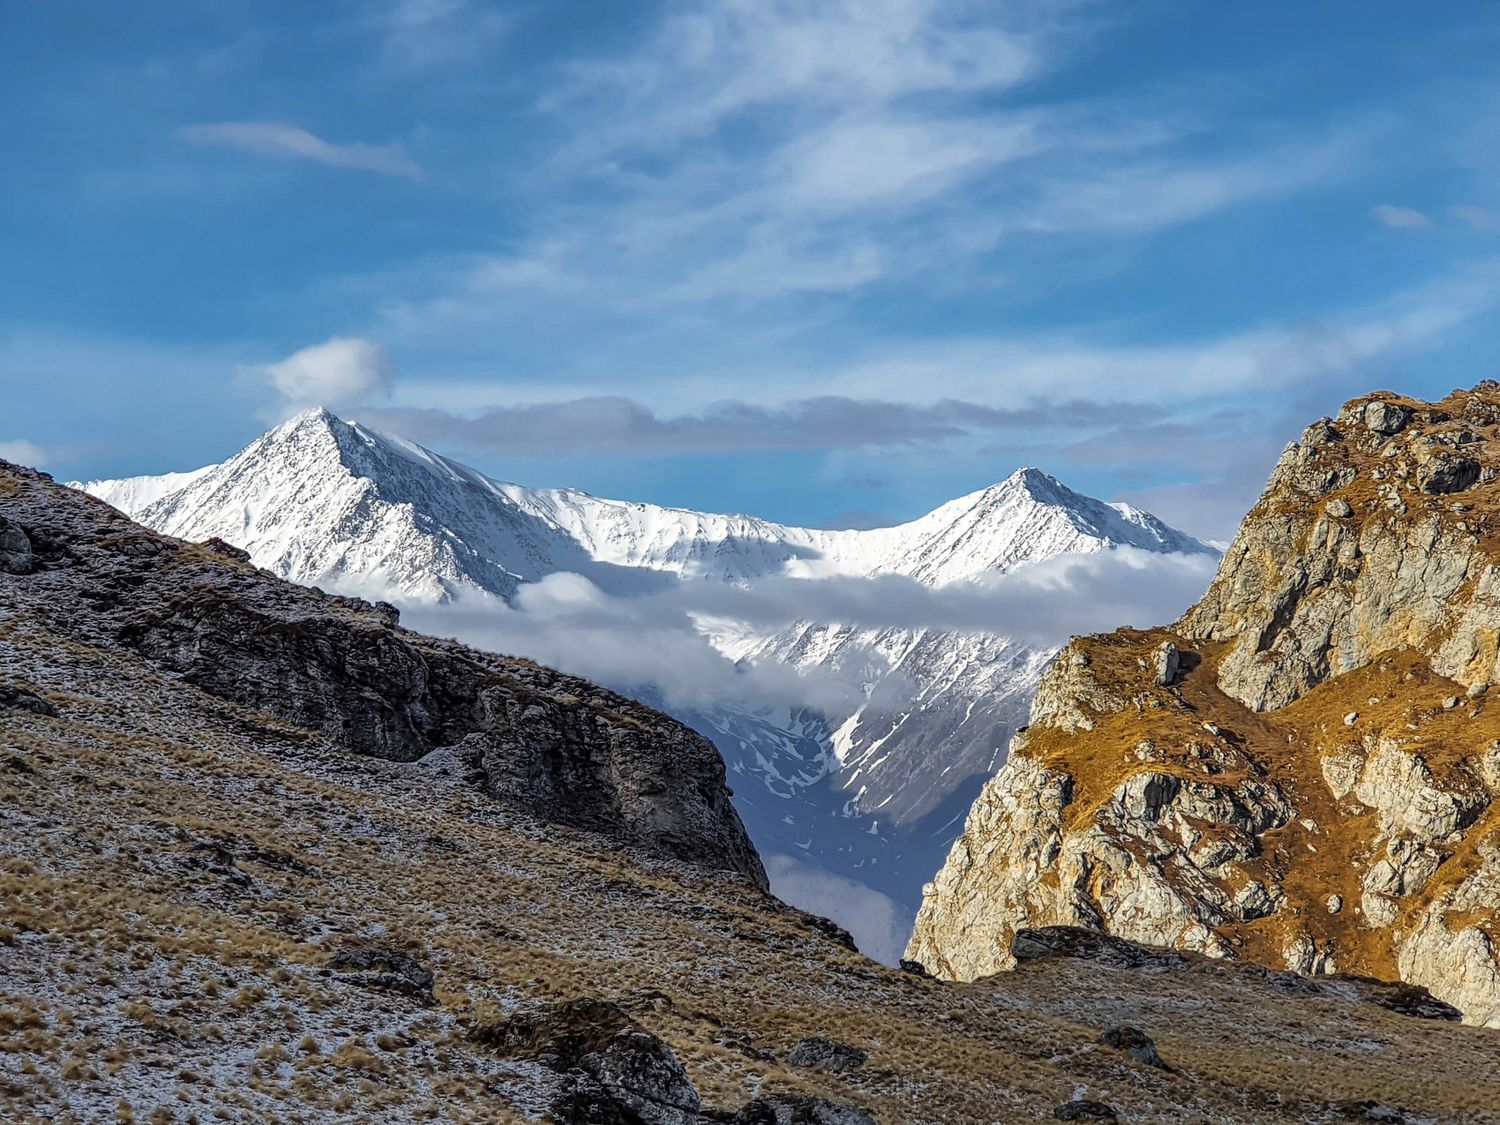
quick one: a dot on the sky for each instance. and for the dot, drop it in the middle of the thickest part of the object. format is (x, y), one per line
(829, 263)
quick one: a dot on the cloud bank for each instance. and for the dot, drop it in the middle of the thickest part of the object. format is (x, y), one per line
(656, 640)
(615, 424)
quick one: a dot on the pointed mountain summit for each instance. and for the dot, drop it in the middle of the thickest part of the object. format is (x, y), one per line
(321, 500)
(872, 792)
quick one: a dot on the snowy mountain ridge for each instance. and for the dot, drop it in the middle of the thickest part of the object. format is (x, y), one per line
(873, 792)
(385, 494)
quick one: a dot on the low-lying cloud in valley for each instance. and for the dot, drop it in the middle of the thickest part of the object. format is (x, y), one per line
(657, 640)
(879, 925)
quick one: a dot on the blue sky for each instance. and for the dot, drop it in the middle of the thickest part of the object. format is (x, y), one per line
(798, 259)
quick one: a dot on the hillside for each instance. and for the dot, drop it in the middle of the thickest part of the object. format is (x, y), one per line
(869, 786)
(266, 856)
(1303, 771)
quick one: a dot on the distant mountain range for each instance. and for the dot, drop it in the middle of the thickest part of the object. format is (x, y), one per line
(873, 792)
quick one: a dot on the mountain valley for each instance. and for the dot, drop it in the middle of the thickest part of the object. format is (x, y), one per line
(852, 772)
(269, 856)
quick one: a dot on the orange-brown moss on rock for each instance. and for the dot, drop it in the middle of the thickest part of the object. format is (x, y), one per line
(1315, 785)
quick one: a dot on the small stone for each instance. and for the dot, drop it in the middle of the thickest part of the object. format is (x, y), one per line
(799, 1109)
(388, 969)
(1450, 703)
(1338, 508)
(1476, 690)
(15, 549)
(1083, 1109)
(1335, 903)
(827, 1054)
(1351, 718)
(1385, 417)
(1135, 1043)
(643, 1076)
(1212, 729)
(20, 699)
(1167, 663)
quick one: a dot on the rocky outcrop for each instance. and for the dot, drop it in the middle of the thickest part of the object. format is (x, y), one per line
(15, 549)
(616, 1073)
(1301, 772)
(562, 747)
(1135, 1043)
(827, 1054)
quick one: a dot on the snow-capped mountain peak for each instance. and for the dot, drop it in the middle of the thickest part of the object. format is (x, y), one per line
(872, 792)
(321, 500)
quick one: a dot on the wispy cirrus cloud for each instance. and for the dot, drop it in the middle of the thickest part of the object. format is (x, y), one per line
(1480, 218)
(776, 158)
(284, 140)
(1400, 218)
(419, 34)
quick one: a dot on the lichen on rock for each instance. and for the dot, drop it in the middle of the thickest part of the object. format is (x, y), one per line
(1339, 662)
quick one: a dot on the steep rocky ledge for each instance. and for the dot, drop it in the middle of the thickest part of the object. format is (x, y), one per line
(562, 747)
(1303, 771)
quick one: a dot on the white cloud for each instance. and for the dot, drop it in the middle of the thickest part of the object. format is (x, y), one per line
(706, 66)
(633, 645)
(427, 33)
(1148, 192)
(272, 138)
(886, 159)
(1400, 218)
(654, 639)
(996, 369)
(344, 369)
(878, 924)
(24, 452)
(1477, 217)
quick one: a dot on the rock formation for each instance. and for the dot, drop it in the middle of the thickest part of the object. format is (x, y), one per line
(561, 746)
(1303, 770)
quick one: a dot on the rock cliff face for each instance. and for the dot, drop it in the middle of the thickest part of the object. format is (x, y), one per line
(563, 747)
(1304, 770)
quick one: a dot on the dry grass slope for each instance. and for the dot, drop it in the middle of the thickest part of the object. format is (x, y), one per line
(177, 871)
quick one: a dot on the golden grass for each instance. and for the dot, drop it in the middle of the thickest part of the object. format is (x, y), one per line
(141, 971)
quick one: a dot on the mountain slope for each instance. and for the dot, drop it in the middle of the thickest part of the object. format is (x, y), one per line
(1305, 769)
(872, 790)
(213, 907)
(564, 747)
